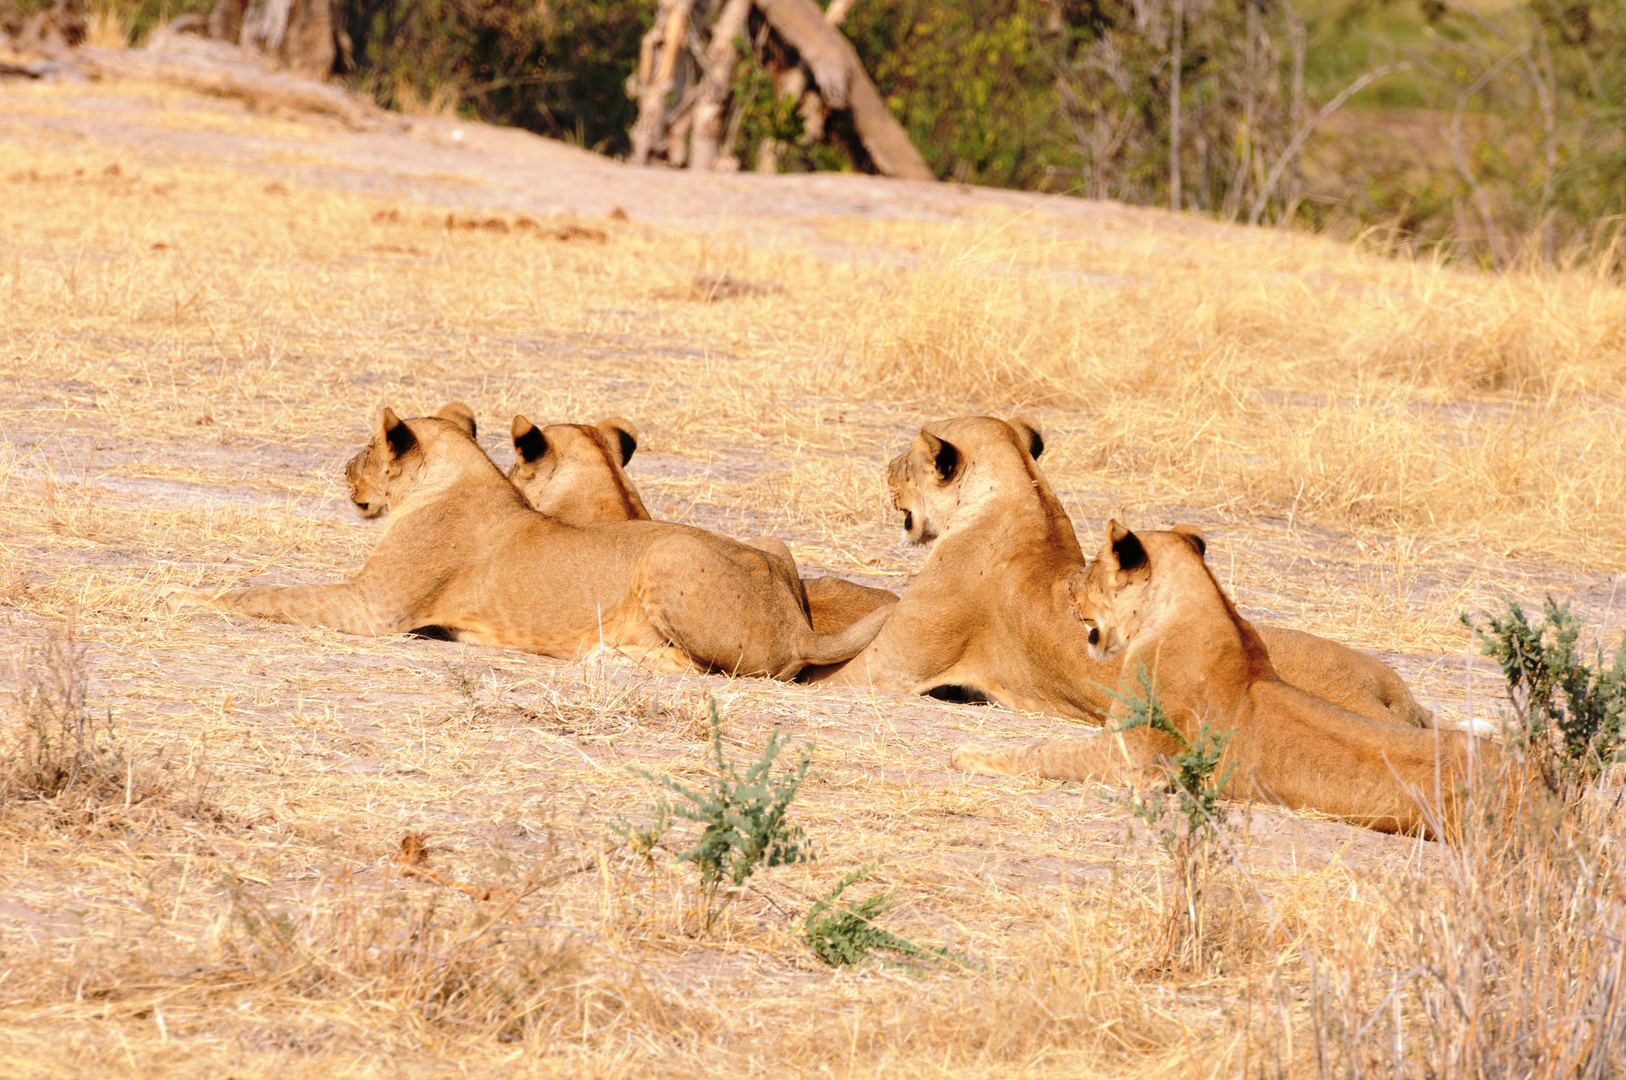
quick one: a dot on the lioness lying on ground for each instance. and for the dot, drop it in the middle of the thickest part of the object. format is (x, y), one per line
(1151, 599)
(464, 552)
(576, 473)
(988, 613)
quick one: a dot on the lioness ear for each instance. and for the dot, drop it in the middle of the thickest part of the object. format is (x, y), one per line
(1029, 434)
(1127, 549)
(1193, 536)
(621, 433)
(459, 414)
(529, 442)
(396, 434)
(945, 456)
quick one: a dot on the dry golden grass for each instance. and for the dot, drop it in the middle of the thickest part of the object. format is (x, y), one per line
(197, 324)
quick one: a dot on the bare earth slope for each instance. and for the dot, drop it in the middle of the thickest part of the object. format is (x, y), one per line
(201, 310)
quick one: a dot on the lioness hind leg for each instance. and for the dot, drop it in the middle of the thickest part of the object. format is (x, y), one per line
(1346, 677)
(343, 606)
(724, 604)
(783, 564)
(1103, 757)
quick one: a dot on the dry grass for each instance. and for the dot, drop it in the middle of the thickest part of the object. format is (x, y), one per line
(192, 340)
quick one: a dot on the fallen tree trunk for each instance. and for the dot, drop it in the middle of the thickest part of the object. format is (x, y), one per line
(844, 85)
(687, 65)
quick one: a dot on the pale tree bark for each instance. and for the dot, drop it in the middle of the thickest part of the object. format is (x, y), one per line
(297, 34)
(1177, 39)
(837, 11)
(685, 125)
(657, 66)
(719, 72)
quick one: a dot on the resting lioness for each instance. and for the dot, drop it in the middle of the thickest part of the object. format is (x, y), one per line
(988, 613)
(464, 552)
(1151, 599)
(577, 473)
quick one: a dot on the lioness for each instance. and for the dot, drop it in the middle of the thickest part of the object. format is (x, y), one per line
(988, 613)
(463, 551)
(576, 473)
(1151, 599)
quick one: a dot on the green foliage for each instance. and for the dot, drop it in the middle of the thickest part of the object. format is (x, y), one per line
(1195, 811)
(760, 113)
(1191, 824)
(972, 83)
(1569, 714)
(558, 69)
(742, 818)
(844, 933)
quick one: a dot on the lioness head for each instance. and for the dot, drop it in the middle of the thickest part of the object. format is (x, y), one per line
(574, 471)
(1112, 595)
(385, 460)
(928, 478)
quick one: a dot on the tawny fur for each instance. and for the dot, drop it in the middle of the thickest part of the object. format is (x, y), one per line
(989, 613)
(1161, 607)
(577, 474)
(464, 551)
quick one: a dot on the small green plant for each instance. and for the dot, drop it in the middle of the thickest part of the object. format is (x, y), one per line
(845, 934)
(1185, 814)
(742, 818)
(1568, 714)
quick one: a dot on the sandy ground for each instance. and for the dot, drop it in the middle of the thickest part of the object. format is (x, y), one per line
(324, 749)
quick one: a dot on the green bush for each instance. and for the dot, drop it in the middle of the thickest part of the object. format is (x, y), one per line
(1568, 714)
(557, 69)
(1186, 815)
(845, 934)
(742, 819)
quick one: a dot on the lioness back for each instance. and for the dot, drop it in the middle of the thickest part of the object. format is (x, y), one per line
(462, 550)
(1150, 604)
(576, 473)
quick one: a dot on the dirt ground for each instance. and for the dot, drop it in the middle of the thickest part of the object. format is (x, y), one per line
(207, 306)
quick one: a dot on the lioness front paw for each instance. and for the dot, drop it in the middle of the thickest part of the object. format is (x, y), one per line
(665, 659)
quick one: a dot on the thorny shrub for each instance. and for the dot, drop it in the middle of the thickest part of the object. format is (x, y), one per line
(742, 819)
(1185, 815)
(1513, 944)
(1567, 714)
(844, 933)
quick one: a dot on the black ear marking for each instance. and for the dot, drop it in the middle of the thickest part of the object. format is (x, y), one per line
(1126, 547)
(622, 434)
(397, 435)
(1193, 537)
(1028, 432)
(945, 456)
(529, 442)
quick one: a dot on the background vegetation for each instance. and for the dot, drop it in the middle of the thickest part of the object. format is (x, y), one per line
(1490, 126)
